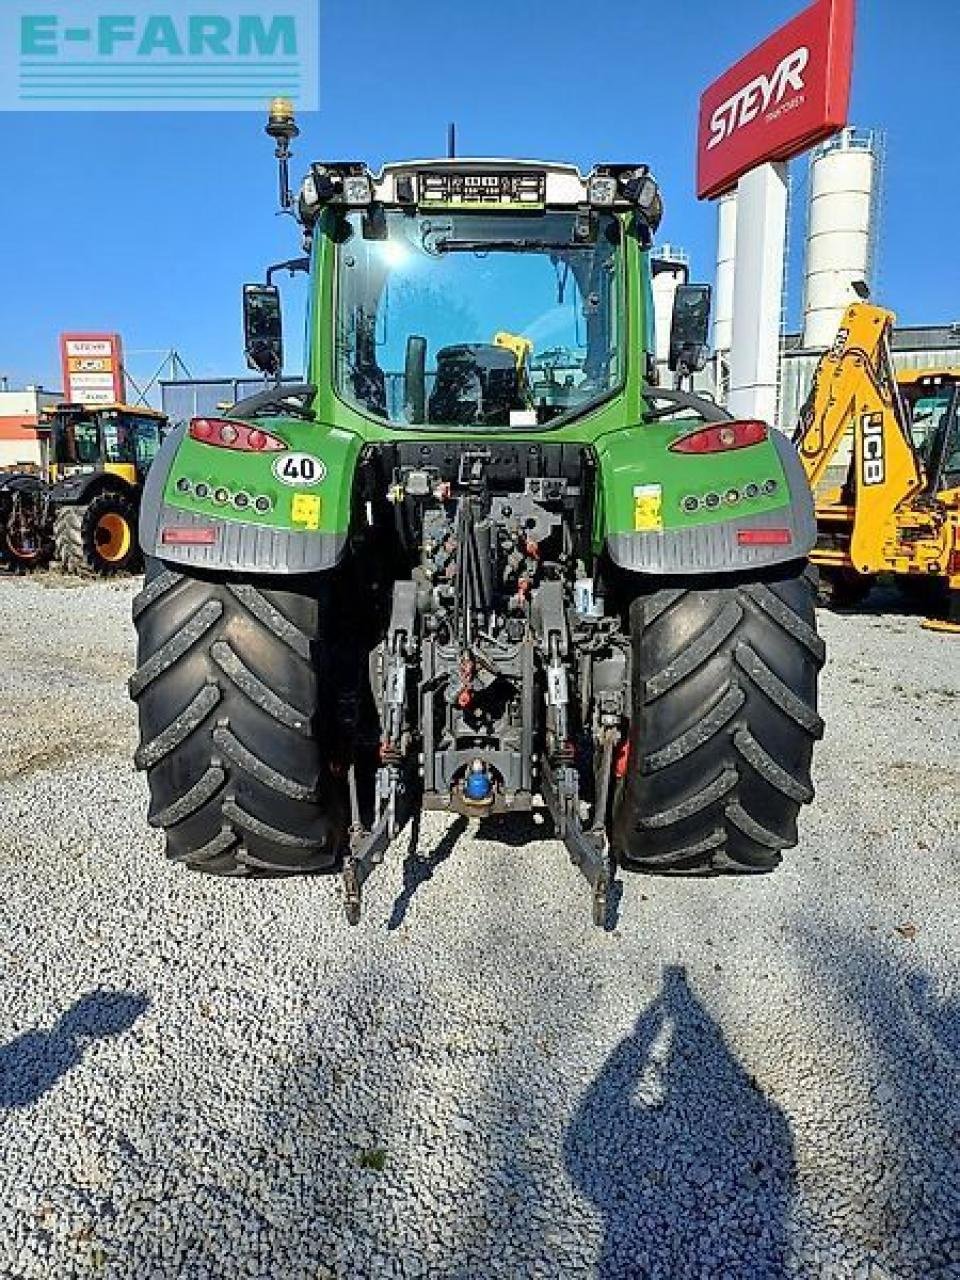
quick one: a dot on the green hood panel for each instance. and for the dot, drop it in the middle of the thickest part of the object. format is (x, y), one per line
(643, 486)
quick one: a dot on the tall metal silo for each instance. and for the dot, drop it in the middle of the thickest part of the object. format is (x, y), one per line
(841, 229)
(726, 258)
(671, 267)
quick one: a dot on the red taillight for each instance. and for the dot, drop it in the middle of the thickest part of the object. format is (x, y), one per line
(721, 437)
(764, 537)
(234, 435)
(186, 537)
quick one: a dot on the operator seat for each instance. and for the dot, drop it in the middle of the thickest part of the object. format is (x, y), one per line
(475, 383)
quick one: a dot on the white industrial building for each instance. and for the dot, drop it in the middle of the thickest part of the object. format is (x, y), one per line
(913, 347)
(19, 415)
(841, 238)
(840, 250)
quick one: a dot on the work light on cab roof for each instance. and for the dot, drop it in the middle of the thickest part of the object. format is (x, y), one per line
(486, 185)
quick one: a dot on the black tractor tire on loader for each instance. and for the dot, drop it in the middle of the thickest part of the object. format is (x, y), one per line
(100, 536)
(235, 698)
(723, 725)
(25, 544)
(21, 560)
(844, 588)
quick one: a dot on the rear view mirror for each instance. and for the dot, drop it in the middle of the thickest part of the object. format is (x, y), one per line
(690, 328)
(263, 328)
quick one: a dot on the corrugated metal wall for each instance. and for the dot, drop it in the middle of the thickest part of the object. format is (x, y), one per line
(798, 368)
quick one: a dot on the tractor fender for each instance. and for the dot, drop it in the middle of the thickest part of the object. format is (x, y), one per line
(716, 546)
(78, 490)
(21, 482)
(244, 545)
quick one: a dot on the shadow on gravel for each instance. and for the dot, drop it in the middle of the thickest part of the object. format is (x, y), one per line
(688, 1162)
(33, 1063)
(908, 598)
(517, 829)
(514, 829)
(907, 1206)
(418, 868)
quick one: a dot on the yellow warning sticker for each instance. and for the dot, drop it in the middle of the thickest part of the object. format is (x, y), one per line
(647, 508)
(305, 510)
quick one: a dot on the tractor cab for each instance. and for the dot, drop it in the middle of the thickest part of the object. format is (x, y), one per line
(95, 460)
(931, 399)
(117, 439)
(472, 293)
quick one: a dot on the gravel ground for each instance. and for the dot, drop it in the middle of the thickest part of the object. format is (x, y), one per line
(210, 1079)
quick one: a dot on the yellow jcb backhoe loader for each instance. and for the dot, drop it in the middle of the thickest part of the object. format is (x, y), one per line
(892, 505)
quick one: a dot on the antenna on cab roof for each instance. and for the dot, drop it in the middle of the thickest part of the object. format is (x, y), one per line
(451, 140)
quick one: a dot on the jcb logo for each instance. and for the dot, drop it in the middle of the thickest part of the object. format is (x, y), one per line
(873, 462)
(88, 364)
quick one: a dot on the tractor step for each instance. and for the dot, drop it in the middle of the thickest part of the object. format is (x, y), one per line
(368, 845)
(589, 847)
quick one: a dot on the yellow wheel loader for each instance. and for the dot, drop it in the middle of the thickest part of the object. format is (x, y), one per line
(882, 453)
(83, 509)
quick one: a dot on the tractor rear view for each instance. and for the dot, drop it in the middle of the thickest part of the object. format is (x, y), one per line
(478, 562)
(82, 510)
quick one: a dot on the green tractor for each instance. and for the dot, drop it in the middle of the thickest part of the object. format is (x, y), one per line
(479, 562)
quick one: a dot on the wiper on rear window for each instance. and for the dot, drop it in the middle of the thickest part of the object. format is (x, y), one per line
(505, 246)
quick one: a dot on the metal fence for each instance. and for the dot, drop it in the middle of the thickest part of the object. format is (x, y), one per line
(191, 398)
(195, 397)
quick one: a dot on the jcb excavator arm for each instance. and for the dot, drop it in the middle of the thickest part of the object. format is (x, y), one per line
(855, 389)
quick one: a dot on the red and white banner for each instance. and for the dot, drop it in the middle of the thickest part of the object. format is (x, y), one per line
(788, 93)
(92, 366)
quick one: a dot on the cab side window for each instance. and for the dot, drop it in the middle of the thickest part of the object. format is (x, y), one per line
(145, 435)
(86, 442)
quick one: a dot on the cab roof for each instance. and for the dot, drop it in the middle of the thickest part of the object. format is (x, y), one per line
(909, 377)
(141, 410)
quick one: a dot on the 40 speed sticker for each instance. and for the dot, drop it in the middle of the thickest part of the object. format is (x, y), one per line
(299, 469)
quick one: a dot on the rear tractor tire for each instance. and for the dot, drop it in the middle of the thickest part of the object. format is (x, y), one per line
(236, 716)
(723, 726)
(25, 542)
(98, 537)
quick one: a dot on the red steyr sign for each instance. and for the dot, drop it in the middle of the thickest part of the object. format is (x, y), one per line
(784, 96)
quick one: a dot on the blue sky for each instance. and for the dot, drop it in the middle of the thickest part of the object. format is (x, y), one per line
(148, 224)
